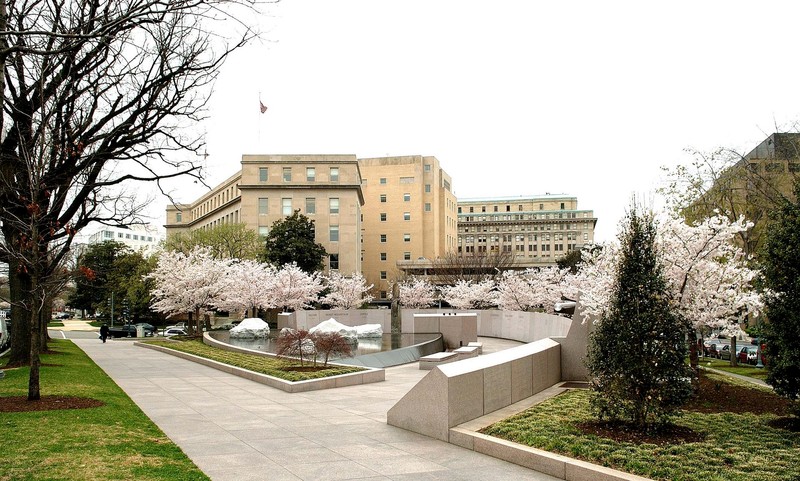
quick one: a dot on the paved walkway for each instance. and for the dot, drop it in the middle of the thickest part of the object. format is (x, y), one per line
(235, 429)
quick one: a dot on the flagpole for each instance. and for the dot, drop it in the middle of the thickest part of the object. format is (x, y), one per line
(258, 140)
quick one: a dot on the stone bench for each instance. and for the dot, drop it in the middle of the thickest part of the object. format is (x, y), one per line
(479, 345)
(466, 352)
(426, 363)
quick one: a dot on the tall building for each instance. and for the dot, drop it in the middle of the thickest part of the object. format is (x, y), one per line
(325, 188)
(528, 230)
(409, 216)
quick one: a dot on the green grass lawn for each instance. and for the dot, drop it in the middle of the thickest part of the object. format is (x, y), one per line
(55, 324)
(115, 441)
(736, 446)
(261, 364)
(742, 369)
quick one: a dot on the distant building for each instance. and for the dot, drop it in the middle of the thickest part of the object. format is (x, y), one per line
(325, 188)
(530, 230)
(138, 237)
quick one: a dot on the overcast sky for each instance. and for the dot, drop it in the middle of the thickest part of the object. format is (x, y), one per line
(584, 98)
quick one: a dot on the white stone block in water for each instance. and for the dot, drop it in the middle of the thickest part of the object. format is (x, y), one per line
(366, 331)
(249, 328)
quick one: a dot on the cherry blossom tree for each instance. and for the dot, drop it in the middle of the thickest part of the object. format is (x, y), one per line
(188, 283)
(709, 278)
(416, 293)
(249, 287)
(294, 289)
(347, 292)
(533, 288)
(469, 294)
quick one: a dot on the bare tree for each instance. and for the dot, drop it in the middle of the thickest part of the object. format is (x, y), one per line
(96, 95)
(454, 267)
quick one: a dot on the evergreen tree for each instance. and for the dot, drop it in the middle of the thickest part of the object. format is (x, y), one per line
(636, 354)
(781, 269)
(291, 240)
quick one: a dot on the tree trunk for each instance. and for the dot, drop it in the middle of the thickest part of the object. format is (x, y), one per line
(734, 358)
(19, 290)
(33, 379)
(694, 359)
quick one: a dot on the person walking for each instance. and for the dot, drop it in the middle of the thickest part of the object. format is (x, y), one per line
(104, 332)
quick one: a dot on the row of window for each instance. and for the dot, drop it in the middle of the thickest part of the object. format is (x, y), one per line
(496, 208)
(482, 239)
(520, 248)
(287, 172)
(286, 205)
(519, 217)
(406, 256)
(406, 238)
(107, 234)
(523, 227)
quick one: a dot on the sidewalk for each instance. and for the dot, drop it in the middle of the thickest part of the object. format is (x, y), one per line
(234, 429)
(74, 325)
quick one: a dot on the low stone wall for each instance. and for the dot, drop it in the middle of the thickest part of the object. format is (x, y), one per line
(348, 317)
(455, 393)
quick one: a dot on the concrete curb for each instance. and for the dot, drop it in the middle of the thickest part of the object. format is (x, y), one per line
(369, 375)
(559, 466)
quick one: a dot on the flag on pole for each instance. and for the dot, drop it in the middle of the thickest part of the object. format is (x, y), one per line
(263, 107)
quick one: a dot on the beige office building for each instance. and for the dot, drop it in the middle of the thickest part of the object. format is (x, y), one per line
(326, 188)
(531, 230)
(409, 216)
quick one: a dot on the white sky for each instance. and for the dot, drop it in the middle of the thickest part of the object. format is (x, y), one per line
(585, 98)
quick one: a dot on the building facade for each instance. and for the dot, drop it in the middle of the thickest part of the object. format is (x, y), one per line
(144, 238)
(528, 231)
(409, 216)
(325, 188)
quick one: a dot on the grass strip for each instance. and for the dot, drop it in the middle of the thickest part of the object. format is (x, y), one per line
(276, 367)
(114, 441)
(742, 369)
(736, 446)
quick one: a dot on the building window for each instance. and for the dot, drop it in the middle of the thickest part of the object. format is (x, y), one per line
(427, 167)
(585, 236)
(562, 206)
(459, 210)
(135, 237)
(311, 205)
(334, 174)
(263, 231)
(178, 217)
(287, 174)
(286, 206)
(483, 208)
(119, 235)
(383, 180)
(263, 206)
(334, 233)
(471, 210)
(311, 174)
(406, 197)
(406, 256)
(406, 215)
(406, 237)
(427, 188)
(383, 237)
(263, 174)
(427, 206)
(383, 275)
(334, 205)
(383, 197)
(333, 261)
(541, 206)
(406, 180)
(383, 216)
(383, 294)
(383, 256)
(520, 208)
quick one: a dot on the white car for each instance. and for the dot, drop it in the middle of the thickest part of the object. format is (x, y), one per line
(174, 331)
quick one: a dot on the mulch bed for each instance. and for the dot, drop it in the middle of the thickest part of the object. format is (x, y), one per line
(713, 397)
(18, 404)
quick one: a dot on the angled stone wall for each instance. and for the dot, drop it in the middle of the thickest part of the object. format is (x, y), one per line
(454, 393)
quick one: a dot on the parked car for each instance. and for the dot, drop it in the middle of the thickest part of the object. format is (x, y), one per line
(724, 352)
(128, 330)
(747, 354)
(149, 329)
(64, 315)
(174, 331)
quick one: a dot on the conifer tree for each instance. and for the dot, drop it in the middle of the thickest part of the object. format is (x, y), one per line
(781, 269)
(636, 354)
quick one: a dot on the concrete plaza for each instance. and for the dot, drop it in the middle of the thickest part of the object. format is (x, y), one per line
(235, 429)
